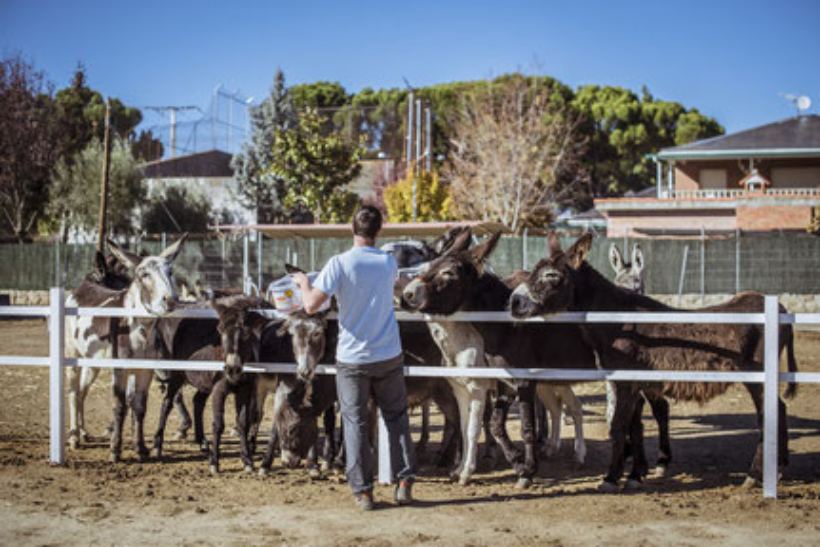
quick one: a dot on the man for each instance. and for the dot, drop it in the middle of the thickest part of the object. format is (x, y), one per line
(369, 355)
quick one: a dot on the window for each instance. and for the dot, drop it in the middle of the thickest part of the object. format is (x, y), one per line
(795, 177)
(713, 178)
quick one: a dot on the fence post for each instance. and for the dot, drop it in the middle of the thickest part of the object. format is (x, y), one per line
(385, 471)
(245, 263)
(524, 250)
(737, 260)
(771, 392)
(56, 413)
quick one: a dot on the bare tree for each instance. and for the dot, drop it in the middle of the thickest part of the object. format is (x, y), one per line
(27, 145)
(516, 154)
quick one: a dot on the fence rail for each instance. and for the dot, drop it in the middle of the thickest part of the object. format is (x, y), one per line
(770, 377)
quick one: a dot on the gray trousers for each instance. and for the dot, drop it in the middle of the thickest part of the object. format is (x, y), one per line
(384, 381)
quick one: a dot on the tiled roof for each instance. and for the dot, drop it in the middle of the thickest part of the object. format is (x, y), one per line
(213, 163)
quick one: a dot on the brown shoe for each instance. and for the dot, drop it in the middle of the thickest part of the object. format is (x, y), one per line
(403, 494)
(364, 500)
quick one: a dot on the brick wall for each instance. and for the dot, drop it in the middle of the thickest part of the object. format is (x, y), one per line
(773, 218)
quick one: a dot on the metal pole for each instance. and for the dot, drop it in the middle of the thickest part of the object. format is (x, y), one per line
(418, 134)
(409, 131)
(312, 255)
(737, 260)
(106, 169)
(771, 389)
(245, 263)
(524, 250)
(259, 260)
(702, 263)
(56, 344)
(682, 271)
(671, 178)
(164, 240)
(385, 471)
(57, 263)
(659, 176)
(429, 141)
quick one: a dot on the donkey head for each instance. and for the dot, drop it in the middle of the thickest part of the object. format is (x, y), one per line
(240, 329)
(551, 285)
(308, 335)
(295, 424)
(628, 275)
(449, 280)
(153, 284)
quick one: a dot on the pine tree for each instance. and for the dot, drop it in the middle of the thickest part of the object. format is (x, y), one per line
(259, 188)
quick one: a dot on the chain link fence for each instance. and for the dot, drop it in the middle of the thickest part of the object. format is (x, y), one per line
(770, 263)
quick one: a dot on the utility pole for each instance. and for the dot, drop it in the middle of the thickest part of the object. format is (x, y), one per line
(105, 174)
(418, 135)
(429, 150)
(173, 112)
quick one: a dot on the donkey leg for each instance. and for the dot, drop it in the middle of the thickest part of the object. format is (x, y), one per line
(660, 410)
(200, 398)
(168, 398)
(421, 446)
(640, 467)
(73, 381)
(576, 410)
(548, 397)
(243, 400)
(498, 428)
(87, 377)
(139, 403)
(450, 454)
(526, 396)
(490, 444)
(541, 423)
(218, 409)
(478, 397)
(329, 449)
(184, 416)
(624, 411)
(118, 385)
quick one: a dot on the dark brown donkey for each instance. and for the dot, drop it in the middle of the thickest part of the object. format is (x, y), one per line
(458, 281)
(565, 281)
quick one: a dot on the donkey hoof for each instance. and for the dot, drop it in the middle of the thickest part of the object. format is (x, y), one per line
(750, 483)
(314, 473)
(73, 443)
(607, 487)
(579, 463)
(214, 469)
(324, 467)
(633, 484)
(661, 470)
(523, 483)
(181, 435)
(264, 471)
(204, 447)
(249, 469)
(464, 480)
(114, 458)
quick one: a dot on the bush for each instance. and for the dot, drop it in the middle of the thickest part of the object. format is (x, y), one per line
(177, 210)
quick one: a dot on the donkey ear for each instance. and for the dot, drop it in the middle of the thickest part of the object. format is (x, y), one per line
(127, 259)
(616, 260)
(99, 263)
(257, 323)
(170, 253)
(480, 253)
(553, 243)
(460, 243)
(579, 250)
(290, 268)
(637, 259)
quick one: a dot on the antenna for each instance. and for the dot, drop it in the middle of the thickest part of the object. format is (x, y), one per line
(801, 102)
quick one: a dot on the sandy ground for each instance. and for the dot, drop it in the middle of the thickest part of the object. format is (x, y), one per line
(90, 501)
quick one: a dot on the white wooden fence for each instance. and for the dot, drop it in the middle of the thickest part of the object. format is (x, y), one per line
(771, 377)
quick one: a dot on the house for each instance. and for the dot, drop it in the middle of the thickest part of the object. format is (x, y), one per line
(761, 179)
(205, 173)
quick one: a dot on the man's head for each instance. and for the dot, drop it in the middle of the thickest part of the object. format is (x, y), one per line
(367, 222)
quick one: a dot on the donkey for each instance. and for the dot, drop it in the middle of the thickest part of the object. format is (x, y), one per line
(630, 275)
(459, 281)
(565, 281)
(151, 290)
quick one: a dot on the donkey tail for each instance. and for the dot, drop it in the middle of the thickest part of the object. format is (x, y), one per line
(791, 389)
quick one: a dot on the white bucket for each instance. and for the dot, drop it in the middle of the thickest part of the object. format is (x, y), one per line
(286, 297)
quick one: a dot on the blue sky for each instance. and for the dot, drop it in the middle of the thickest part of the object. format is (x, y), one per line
(729, 59)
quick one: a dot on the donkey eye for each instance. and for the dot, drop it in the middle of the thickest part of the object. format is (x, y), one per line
(447, 274)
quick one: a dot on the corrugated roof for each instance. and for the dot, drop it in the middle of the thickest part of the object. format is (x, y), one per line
(213, 163)
(793, 137)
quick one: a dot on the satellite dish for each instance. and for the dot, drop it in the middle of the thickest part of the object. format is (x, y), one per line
(802, 103)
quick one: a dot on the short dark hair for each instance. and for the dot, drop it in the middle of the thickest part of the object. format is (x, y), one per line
(367, 222)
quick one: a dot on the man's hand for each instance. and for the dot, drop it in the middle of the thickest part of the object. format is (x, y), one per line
(312, 298)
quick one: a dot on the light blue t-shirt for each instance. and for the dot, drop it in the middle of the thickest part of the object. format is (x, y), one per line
(362, 281)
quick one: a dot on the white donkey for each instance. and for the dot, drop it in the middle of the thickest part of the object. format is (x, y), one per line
(151, 291)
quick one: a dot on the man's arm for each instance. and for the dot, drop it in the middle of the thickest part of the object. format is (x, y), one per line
(312, 298)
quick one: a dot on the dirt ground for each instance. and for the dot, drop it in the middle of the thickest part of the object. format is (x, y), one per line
(90, 501)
